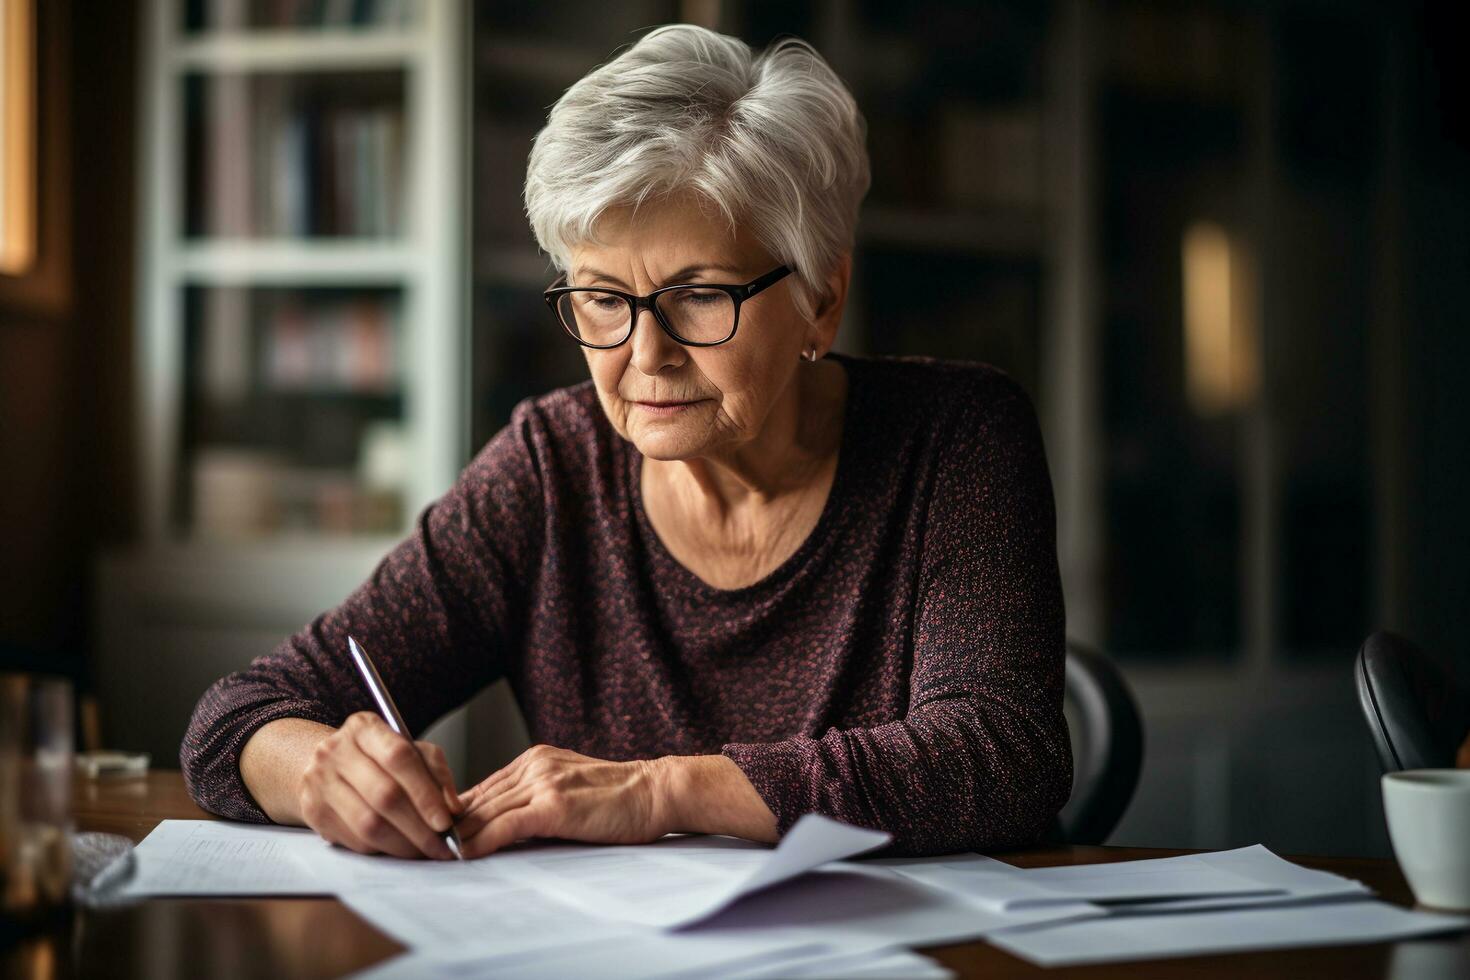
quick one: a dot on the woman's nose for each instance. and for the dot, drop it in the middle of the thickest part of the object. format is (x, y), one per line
(652, 348)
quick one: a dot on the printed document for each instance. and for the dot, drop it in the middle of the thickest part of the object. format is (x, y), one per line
(1143, 937)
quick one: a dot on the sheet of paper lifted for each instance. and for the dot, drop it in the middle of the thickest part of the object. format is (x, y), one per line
(670, 886)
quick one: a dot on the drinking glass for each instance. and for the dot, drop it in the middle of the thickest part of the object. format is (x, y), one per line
(35, 799)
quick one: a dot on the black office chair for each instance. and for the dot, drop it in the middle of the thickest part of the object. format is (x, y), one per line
(1107, 746)
(1414, 710)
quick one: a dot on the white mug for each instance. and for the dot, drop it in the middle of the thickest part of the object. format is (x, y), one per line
(1428, 814)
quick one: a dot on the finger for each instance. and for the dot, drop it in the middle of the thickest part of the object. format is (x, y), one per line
(386, 796)
(491, 786)
(439, 769)
(487, 810)
(504, 830)
(320, 817)
(371, 829)
(456, 806)
(400, 759)
(476, 796)
(437, 762)
(334, 829)
(496, 781)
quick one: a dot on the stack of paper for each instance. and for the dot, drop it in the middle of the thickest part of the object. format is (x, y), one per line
(557, 910)
(1230, 901)
(709, 906)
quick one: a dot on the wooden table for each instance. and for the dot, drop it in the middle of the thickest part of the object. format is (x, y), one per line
(320, 937)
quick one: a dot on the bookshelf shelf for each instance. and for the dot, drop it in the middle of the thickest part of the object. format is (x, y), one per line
(294, 261)
(309, 50)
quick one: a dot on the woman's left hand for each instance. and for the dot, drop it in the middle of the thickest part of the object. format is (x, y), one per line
(551, 792)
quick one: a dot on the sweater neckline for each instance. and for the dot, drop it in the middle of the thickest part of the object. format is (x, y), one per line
(677, 572)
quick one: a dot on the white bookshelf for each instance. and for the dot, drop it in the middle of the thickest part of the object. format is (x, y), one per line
(189, 606)
(426, 263)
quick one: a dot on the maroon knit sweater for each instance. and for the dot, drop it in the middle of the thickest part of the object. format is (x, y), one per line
(901, 670)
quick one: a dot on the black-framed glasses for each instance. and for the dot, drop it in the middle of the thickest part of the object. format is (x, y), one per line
(694, 314)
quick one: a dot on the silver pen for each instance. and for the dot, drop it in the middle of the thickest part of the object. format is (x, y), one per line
(395, 721)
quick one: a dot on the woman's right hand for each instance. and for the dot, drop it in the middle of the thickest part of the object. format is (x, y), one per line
(370, 789)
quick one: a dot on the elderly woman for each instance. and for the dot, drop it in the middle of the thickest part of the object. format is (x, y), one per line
(732, 578)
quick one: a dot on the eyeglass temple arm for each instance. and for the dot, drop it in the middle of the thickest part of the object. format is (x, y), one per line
(770, 278)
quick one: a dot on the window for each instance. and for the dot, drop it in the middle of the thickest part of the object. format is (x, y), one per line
(17, 136)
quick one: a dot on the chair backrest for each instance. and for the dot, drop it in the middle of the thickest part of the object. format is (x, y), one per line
(1414, 711)
(1107, 746)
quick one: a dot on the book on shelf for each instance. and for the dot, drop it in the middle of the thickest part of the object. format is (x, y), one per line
(281, 162)
(301, 344)
(227, 15)
(348, 345)
(224, 359)
(241, 493)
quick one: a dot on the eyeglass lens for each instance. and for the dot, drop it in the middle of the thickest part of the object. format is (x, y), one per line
(701, 316)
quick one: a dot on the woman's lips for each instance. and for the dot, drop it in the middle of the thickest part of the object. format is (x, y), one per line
(666, 408)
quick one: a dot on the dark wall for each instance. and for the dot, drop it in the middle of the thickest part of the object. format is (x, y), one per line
(66, 339)
(1436, 305)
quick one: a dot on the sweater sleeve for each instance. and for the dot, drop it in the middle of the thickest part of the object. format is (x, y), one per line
(438, 614)
(982, 758)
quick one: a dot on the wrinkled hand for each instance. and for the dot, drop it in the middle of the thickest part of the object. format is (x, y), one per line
(551, 792)
(369, 789)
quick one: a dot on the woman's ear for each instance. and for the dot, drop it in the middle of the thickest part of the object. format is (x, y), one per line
(828, 314)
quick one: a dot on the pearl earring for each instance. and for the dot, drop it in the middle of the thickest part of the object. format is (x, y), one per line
(811, 353)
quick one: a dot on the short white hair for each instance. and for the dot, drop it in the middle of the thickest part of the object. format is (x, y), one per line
(773, 140)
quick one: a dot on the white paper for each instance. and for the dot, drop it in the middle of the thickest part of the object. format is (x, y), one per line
(669, 883)
(641, 954)
(487, 920)
(1178, 884)
(1140, 937)
(1002, 887)
(861, 908)
(217, 857)
(812, 841)
(344, 871)
(212, 857)
(673, 909)
(1298, 884)
(901, 964)
(679, 882)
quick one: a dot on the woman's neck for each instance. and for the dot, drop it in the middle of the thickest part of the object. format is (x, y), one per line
(800, 438)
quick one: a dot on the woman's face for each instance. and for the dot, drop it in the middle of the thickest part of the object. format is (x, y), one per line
(733, 386)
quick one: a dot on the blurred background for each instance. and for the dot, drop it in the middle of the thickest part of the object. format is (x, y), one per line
(266, 285)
